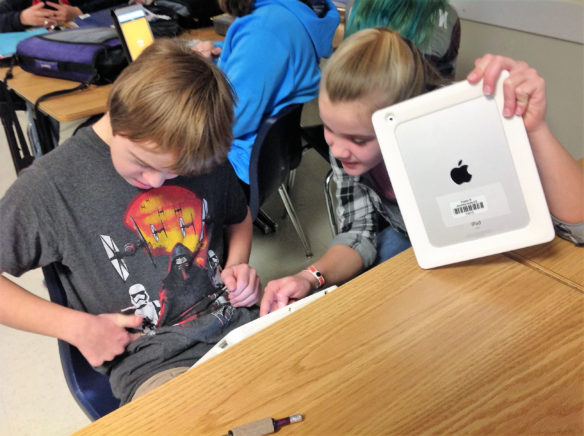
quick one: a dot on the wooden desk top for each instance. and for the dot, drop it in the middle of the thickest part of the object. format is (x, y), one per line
(67, 107)
(559, 259)
(485, 347)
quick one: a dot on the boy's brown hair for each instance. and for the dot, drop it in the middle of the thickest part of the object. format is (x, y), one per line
(180, 101)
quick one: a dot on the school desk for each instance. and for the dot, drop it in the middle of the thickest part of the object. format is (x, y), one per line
(490, 346)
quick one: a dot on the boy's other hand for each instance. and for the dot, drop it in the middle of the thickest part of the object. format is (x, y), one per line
(278, 293)
(524, 90)
(105, 336)
(207, 49)
(243, 284)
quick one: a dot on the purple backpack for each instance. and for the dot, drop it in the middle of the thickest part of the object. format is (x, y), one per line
(87, 55)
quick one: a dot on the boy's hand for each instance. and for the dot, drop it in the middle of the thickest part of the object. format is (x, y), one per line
(243, 284)
(278, 293)
(523, 90)
(207, 49)
(105, 336)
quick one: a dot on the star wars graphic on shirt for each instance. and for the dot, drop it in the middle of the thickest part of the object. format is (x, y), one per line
(171, 223)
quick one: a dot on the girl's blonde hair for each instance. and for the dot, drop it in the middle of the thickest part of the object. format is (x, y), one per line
(377, 67)
(180, 101)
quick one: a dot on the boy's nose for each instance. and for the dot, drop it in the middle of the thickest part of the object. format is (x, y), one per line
(154, 178)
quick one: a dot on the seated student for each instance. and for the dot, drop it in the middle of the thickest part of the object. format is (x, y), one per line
(433, 26)
(135, 209)
(371, 225)
(271, 57)
(18, 15)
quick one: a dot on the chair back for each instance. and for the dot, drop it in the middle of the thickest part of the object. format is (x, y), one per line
(90, 389)
(276, 150)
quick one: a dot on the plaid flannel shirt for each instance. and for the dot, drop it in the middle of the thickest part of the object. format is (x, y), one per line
(362, 213)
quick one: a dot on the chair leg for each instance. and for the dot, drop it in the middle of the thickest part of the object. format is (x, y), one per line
(329, 203)
(294, 218)
(291, 180)
(265, 223)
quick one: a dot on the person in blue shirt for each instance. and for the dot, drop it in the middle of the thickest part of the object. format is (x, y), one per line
(271, 57)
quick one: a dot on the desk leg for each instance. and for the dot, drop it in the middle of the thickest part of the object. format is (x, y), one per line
(46, 131)
(19, 150)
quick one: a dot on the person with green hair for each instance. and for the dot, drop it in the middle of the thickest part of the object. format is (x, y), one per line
(432, 25)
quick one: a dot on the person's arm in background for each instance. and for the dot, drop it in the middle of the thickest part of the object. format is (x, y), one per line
(241, 280)
(96, 5)
(64, 13)
(524, 92)
(99, 337)
(18, 15)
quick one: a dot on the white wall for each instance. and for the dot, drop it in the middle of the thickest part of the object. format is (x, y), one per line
(559, 61)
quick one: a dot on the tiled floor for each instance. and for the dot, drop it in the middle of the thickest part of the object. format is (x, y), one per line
(34, 398)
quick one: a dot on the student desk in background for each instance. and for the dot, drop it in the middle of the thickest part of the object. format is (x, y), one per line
(81, 104)
(490, 346)
(69, 107)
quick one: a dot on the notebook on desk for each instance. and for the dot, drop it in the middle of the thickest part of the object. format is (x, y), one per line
(9, 41)
(464, 176)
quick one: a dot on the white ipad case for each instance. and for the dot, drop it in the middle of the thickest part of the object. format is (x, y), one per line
(464, 176)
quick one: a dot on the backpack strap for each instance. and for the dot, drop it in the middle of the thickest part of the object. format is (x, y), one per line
(42, 122)
(19, 150)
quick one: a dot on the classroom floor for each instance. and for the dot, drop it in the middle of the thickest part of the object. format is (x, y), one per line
(34, 398)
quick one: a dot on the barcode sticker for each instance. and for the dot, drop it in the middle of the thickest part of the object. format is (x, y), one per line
(469, 206)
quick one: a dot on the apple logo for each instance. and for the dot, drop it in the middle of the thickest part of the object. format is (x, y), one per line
(460, 174)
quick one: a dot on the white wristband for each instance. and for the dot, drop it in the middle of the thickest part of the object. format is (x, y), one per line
(317, 275)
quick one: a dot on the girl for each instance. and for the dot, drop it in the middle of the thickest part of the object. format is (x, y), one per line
(375, 68)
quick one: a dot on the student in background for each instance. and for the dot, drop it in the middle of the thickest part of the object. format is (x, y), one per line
(139, 210)
(375, 68)
(18, 15)
(432, 25)
(271, 57)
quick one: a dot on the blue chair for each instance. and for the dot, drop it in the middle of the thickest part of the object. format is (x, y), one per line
(276, 152)
(90, 389)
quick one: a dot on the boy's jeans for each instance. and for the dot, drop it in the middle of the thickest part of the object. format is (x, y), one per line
(389, 243)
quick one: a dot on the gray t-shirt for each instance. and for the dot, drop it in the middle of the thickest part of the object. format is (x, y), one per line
(121, 249)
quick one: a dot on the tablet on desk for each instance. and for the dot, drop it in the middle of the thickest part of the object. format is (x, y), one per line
(240, 333)
(133, 29)
(464, 176)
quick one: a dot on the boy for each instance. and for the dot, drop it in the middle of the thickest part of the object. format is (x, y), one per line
(138, 243)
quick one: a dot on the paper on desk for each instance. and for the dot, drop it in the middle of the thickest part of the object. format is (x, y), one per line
(247, 330)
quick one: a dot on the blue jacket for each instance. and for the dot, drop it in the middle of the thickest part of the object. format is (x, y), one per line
(271, 57)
